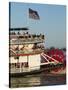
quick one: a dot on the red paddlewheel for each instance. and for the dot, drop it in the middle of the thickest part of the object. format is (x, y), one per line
(59, 56)
(56, 54)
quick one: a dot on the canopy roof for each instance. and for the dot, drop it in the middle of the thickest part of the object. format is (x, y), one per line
(18, 29)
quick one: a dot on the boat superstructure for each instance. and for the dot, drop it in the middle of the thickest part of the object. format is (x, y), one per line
(25, 50)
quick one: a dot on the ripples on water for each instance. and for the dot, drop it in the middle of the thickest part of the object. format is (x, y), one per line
(38, 80)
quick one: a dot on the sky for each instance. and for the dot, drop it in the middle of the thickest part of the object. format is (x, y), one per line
(52, 21)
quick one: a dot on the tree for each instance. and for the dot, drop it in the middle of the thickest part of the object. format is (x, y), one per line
(52, 48)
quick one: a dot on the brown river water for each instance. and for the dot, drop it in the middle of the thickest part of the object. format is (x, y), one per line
(41, 79)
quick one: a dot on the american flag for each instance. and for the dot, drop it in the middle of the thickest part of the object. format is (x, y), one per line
(33, 14)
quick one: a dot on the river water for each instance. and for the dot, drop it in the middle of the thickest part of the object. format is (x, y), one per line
(42, 79)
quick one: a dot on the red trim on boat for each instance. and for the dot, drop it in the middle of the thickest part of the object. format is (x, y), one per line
(27, 54)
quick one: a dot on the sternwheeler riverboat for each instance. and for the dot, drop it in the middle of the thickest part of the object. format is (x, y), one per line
(27, 54)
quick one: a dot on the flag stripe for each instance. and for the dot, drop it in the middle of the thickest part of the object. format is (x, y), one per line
(33, 14)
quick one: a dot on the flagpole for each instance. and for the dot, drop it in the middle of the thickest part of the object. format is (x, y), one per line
(28, 18)
(32, 14)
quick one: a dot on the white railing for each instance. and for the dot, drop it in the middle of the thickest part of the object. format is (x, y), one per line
(45, 55)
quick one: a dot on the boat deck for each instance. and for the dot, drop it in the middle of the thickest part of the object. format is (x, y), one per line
(25, 71)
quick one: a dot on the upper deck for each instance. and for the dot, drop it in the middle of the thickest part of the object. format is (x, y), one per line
(24, 37)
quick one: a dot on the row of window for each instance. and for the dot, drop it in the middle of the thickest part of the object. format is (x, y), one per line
(18, 65)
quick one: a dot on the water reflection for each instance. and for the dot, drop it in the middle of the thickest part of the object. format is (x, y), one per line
(38, 80)
(26, 81)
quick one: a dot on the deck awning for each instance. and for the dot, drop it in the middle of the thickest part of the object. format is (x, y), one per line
(18, 29)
